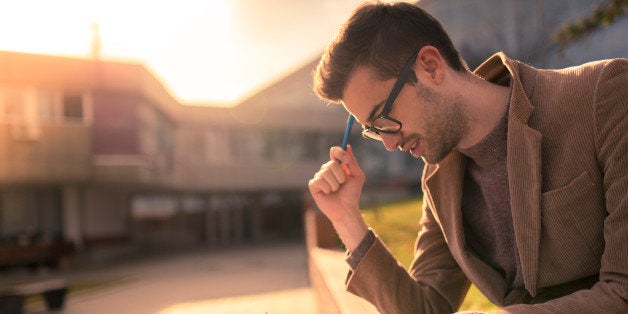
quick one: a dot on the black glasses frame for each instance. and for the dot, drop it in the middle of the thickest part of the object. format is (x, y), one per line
(374, 132)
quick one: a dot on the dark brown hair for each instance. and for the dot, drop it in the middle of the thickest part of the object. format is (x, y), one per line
(382, 36)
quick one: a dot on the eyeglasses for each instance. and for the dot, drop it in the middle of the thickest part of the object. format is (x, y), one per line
(382, 122)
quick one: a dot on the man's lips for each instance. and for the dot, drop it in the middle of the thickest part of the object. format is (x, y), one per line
(415, 150)
(413, 147)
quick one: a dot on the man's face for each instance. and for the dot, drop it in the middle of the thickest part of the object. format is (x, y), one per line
(432, 122)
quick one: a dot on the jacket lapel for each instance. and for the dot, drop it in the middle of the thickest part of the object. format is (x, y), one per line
(444, 192)
(524, 179)
(523, 162)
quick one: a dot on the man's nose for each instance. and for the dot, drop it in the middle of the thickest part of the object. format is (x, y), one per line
(391, 141)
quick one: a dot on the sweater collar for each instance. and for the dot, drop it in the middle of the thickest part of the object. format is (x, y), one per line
(492, 148)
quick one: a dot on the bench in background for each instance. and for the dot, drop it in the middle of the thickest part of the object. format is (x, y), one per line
(13, 294)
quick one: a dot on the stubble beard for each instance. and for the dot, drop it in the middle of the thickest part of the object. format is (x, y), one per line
(444, 124)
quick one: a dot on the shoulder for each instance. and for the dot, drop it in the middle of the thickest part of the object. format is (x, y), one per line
(613, 79)
(590, 71)
(577, 85)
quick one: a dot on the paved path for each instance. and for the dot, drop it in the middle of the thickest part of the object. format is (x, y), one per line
(268, 279)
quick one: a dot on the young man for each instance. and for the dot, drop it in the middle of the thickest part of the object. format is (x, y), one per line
(526, 177)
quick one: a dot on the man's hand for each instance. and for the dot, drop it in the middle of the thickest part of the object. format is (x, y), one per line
(337, 191)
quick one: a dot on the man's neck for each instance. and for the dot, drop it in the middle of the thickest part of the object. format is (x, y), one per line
(485, 105)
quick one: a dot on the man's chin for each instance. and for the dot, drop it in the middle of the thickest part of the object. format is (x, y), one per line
(434, 158)
(416, 151)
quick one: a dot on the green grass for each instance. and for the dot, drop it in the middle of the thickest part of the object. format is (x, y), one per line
(397, 225)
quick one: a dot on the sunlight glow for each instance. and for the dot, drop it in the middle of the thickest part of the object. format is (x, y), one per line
(202, 50)
(149, 32)
(299, 300)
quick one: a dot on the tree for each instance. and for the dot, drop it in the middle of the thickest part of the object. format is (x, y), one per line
(602, 14)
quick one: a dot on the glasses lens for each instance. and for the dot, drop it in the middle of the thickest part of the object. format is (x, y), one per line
(372, 134)
(383, 124)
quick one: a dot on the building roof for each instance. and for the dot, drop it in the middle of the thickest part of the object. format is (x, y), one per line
(83, 74)
(289, 102)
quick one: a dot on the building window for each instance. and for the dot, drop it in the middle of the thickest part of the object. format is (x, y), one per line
(156, 137)
(217, 148)
(312, 146)
(247, 145)
(293, 148)
(273, 141)
(46, 103)
(31, 105)
(12, 104)
(73, 106)
(165, 142)
(19, 110)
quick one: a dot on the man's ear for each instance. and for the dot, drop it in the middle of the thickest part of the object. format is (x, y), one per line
(430, 65)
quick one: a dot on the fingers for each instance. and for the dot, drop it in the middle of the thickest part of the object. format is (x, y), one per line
(349, 163)
(328, 179)
(345, 169)
(337, 153)
(336, 172)
(339, 175)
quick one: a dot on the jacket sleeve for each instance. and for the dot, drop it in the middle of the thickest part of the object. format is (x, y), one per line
(610, 293)
(435, 283)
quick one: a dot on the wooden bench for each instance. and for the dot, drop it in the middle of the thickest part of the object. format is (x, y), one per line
(48, 253)
(13, 294)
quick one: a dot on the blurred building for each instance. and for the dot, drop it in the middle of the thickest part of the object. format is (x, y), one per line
(95, 152)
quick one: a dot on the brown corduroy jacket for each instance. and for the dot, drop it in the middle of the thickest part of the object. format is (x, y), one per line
(567, 167)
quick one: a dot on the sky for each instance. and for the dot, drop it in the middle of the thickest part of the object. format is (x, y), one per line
(203, 51)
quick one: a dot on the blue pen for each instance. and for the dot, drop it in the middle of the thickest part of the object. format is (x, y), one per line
(345, 139)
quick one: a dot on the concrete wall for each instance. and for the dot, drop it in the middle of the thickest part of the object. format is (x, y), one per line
(56, 153)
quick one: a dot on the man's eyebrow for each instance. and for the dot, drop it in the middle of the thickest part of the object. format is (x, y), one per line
(374, 112)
